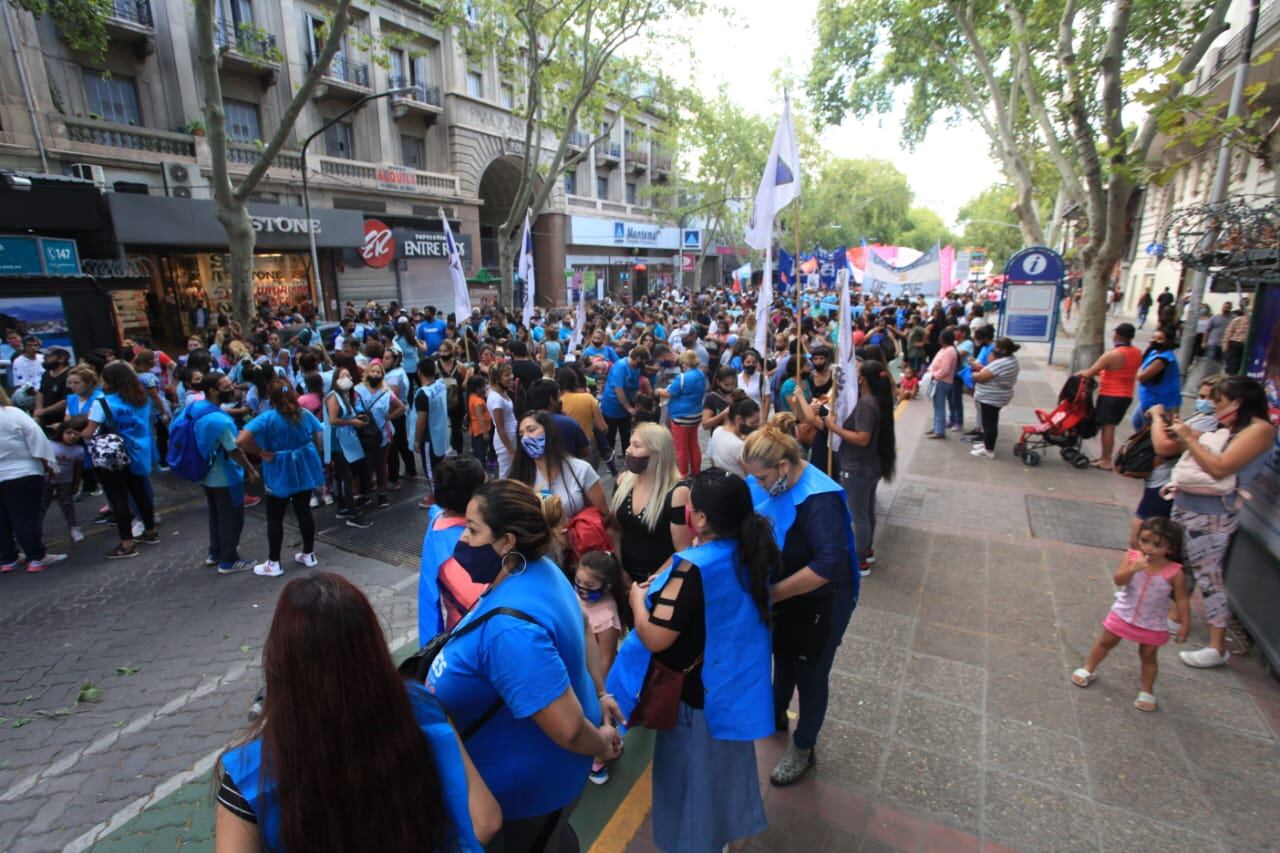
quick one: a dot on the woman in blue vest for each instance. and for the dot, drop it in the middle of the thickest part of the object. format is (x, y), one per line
(343, 450)
(816, 591)
(1159, 377)
(378, 401)
(288, 439)
(707, 615)
(430, 422)
(519, 680)
(392, 774)
(125, 409)
(445, 591)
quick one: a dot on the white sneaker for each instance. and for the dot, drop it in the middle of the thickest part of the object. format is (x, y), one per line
(981, 452)
(268, 569)
(328, 498)
(77, 535)
(308, 560)
(315, 502)
(156, 518)
(138, 528)
(1206, 658)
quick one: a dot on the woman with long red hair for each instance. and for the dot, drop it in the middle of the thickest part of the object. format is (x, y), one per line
(347, 755)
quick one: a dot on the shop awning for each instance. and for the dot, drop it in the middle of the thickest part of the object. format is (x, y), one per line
(147, 220)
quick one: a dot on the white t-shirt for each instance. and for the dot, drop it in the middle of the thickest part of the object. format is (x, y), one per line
(27, 371)
(752, 385)
(504, 418)
(725, 450)
(575, 480)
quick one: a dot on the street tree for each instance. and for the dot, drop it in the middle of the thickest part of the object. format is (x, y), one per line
(846, 201)
(584, 64)
(1055, 74)
(924, 229)
(988, 222)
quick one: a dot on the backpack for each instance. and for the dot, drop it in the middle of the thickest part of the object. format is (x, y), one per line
(369, 433)
(184, 457)
(1137, 458)
(107, 449)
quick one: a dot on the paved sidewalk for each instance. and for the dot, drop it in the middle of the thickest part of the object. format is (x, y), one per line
(953, 724)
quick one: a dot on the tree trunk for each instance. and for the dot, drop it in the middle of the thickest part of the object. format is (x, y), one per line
(506, 263)
(241, 239)
(1090, 333)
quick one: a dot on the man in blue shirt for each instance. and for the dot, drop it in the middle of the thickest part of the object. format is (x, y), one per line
(618, 398)
(598, 348)
(431, 330)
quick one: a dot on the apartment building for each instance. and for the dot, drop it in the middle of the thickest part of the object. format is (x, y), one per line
(123, 134)
(1145, 270)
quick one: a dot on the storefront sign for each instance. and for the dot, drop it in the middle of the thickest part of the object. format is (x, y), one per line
(61, 257)
(413, 243)
(134, 266)
(590, 231)
(379, 246)
(391, 177)
(286, 225)
(52, 256)
(146, 220)
(688, 262)
(692, 239)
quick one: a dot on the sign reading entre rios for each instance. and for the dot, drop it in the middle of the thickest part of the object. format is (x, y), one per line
(592, 231)
(412, 243)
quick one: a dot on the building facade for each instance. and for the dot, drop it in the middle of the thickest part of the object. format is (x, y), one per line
(130, 123)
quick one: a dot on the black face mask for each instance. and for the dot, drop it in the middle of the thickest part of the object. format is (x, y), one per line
(374, 381)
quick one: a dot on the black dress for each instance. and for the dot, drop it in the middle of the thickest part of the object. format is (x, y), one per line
(643, 550)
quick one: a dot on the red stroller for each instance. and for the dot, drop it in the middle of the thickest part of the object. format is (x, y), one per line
(1065, 427)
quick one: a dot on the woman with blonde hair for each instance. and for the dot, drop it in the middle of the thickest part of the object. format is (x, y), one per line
(816, 590)
(648, 522)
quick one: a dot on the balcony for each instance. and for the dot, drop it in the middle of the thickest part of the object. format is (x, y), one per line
(343, 80)
(637, 159)
(245, 48)
(579, 139)
(424, 100)
(246, 154)
(358, 173)
(608, 153)
(130, 21)
(661, 165)
(122, 141)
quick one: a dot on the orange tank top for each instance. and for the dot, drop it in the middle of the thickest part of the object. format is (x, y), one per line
(1120, 383)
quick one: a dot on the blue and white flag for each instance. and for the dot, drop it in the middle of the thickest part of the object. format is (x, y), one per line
(786, 270)
(461, 297)
(779, 185)
(921, 277)
(846, 360)
(526, 273)
(826, 267)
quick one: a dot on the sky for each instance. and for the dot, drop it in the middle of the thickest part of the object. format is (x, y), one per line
(952, 164)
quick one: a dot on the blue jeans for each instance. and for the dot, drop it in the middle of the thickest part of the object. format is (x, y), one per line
(790, 674)
(955, 402)
(942, 390)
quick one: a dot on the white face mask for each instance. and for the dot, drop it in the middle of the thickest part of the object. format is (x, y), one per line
(344, 384)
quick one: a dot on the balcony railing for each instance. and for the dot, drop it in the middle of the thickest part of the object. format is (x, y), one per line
(579, 139)
(342, 68)
(661, 162)
(608, 151)
(244, 38)
(132, 12)
(1268, 16)
(638, 157)
(421, 92)
(246, 154)
(107, 133)
(367, 173)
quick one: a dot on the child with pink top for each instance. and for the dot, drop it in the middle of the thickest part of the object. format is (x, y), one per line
(1150, 575)
(600, 587)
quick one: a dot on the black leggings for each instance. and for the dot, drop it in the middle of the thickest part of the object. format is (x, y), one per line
(990, 419)
(620, 427)
(399, 451)
(276, 507)
(119, 486)
(344, 475)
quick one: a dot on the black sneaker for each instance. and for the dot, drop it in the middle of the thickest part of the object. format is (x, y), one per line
(152, 538)
(121, 553)
(383, 502)
(342, 512)
(362, 500)
(359, 521)
(104, 519)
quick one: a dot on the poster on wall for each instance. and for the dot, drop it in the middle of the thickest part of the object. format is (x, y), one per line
(42, 316)
(131, 313)
(1261, 516)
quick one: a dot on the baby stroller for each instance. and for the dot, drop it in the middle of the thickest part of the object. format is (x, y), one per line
(1065, 427)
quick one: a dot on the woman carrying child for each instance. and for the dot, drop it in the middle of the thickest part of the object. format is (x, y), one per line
(1149, 577)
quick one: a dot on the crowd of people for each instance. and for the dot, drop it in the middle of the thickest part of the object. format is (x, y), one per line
(636, 522)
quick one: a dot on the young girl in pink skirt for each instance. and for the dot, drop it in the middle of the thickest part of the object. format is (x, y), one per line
(1150, 575)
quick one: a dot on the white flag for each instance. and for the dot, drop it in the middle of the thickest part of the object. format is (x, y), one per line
(764, 304)
(847, 397)
(526, 272)
(461, 297)
(579, 321)
(779, 184)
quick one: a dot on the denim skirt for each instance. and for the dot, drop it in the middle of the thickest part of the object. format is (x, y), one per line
(706, 792)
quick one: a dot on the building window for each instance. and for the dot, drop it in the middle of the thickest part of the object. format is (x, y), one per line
(631, 192)
(243, 124)
(571, 183)
(507, 96)
(339, 140)
(413, 150)
(475, 84)
(315, 31)
(111, 98)
(602, 187)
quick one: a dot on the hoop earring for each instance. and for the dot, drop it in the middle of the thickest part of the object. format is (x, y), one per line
(524, 564)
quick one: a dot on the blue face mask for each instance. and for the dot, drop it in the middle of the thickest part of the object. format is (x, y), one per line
(1204, 407)
(534, 445)
(480, 562)
(589, 595)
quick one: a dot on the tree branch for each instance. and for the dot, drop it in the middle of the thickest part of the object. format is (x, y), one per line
(1081, 132)
(214, 116)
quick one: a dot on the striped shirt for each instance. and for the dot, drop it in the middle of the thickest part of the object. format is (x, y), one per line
(998, 390)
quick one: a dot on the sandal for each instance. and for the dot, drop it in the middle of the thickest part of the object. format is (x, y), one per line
(1097, 463)
(1145, 702)
(1083, 677)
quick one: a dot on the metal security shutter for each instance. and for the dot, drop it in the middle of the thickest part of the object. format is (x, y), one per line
(360, 283)
(427, 282)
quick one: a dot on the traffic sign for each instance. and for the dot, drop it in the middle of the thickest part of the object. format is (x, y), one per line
(1039, 263)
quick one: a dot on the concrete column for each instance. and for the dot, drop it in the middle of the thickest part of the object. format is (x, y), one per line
(550, 232)
(176, 55)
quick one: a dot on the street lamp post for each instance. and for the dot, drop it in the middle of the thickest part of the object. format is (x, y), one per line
(306, 197)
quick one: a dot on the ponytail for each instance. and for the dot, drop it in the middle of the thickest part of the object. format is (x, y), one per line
(760, 559)
(726, 502)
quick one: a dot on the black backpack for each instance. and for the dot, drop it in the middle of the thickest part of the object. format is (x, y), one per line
(1137, 458)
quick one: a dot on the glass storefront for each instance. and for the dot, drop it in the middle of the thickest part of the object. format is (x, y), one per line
(191, 281)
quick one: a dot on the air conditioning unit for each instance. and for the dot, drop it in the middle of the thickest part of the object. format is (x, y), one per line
(90, 172)
(179, 178)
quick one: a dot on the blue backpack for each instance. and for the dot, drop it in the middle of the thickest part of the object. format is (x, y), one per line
(184, 456)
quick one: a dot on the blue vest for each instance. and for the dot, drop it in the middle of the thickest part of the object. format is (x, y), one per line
(781, 511)
(1167, 389)
(736, 665)
(348, 441)
(244, 765)
(437, 416)
(437, 546)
